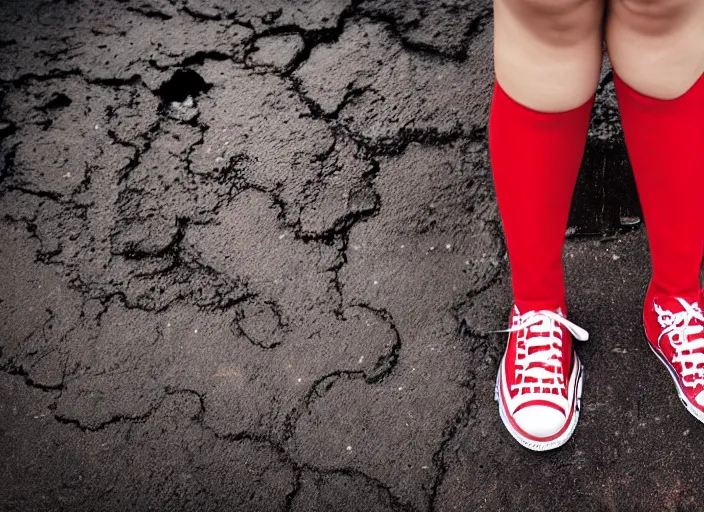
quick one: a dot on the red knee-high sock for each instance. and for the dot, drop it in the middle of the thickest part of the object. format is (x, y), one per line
(535, 158)
(665, 141)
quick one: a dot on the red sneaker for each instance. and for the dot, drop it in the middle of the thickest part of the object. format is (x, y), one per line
(674, 327)
(539, 384)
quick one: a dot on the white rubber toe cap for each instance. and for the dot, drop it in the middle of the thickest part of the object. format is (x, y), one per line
(539, 420)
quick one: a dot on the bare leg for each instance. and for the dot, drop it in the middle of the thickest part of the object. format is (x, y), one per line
(547, 53)
(657, 46)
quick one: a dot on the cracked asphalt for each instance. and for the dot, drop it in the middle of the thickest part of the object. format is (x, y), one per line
(250, 259)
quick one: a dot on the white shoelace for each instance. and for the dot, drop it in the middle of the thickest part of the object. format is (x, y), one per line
(676, 326)
(541, 329)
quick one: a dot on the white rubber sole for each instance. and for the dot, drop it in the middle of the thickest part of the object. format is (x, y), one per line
(699, 415)
(539, 446)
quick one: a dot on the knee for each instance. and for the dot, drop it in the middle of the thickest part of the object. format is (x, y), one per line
(555, 9)
(654, 13)
(559, 20)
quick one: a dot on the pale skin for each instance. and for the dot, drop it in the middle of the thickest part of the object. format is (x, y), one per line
(548, 53)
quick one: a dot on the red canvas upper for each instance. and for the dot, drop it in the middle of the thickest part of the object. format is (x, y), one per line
(547, 340)
(674, 327)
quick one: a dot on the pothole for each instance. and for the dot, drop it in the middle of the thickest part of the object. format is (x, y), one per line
(57, 100)
(183, 84)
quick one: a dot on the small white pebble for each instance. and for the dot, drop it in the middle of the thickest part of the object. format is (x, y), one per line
(400, 388)
(466, 262)
(448, 246)
(97, 127)
(361, 359)
(376, 282)
(168, 325)
(686, 432)
(432, 248)
(349, 448)
(299, 380)
(67, 175)
(355, 247)
(195, 331)
(219, 159)
(616, 257)
(424, 467)
(281, 237)
(403, 246)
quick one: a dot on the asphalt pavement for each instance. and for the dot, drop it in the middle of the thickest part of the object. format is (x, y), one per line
(250, 260)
